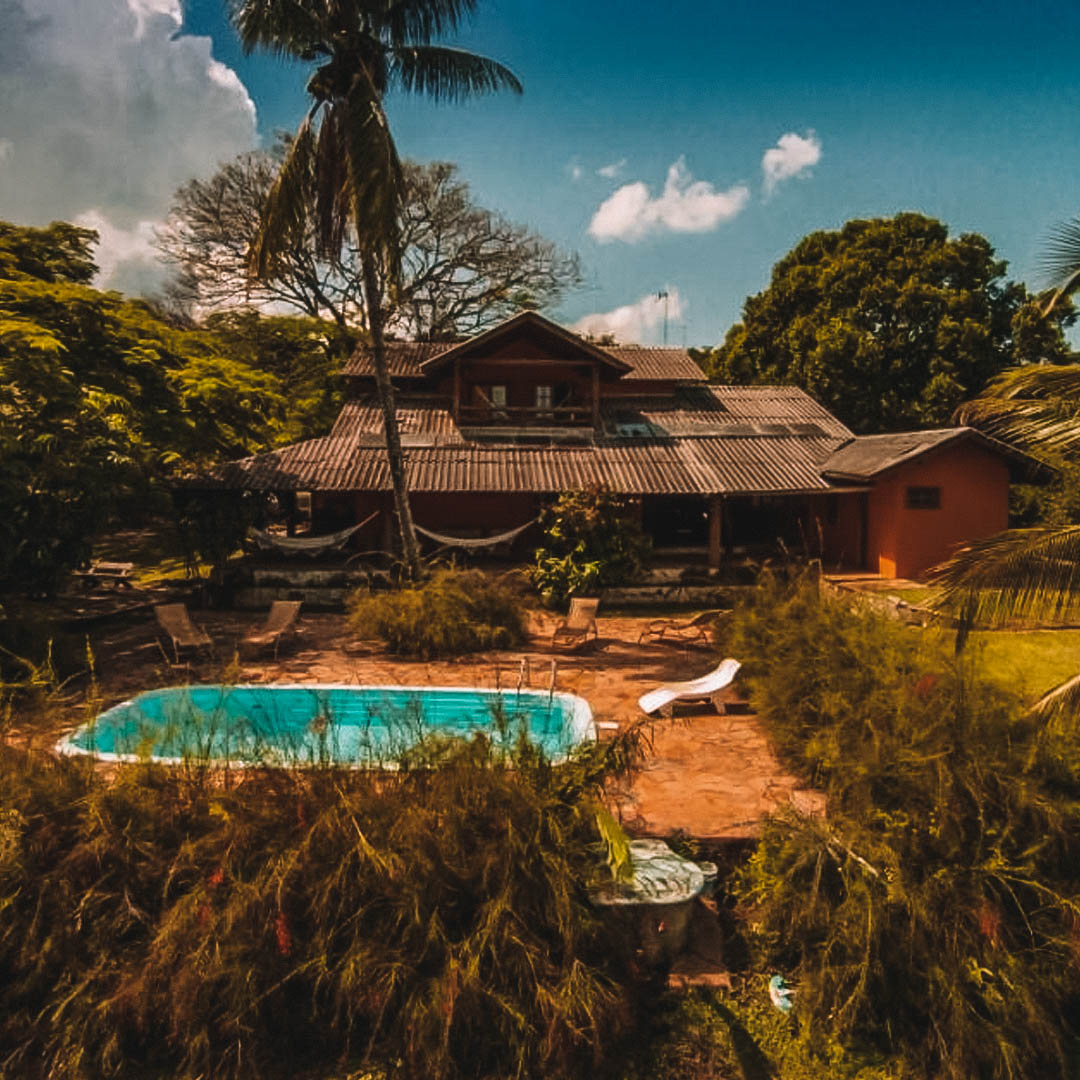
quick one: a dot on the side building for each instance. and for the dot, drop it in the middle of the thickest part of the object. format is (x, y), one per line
(494, 426)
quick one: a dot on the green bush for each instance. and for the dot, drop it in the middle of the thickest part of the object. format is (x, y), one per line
(591, 540)
(453, 612)
(428, 922)
(935, 914)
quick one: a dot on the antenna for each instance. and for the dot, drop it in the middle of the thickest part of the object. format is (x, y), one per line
(663, 295)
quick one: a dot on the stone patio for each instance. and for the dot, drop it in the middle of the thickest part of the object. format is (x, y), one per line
(709, 776)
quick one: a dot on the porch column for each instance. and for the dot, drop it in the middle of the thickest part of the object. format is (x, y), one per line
(457, 389)
(716, 532)
(595, 398)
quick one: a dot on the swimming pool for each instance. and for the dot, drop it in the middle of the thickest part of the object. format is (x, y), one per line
(322, 723)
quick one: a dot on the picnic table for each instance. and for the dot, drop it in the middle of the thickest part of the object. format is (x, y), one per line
(113, 574)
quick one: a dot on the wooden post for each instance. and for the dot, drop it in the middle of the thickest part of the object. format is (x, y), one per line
(457, 389)
(596, 397)
(716, 532)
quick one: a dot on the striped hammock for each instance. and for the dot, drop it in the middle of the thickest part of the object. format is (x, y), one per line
(474, 541)
(311, 546)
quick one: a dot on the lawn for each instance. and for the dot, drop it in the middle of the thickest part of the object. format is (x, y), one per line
(1030, 661)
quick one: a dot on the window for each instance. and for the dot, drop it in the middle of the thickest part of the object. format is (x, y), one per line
(923, 498)
(498, 397)
(544, 397)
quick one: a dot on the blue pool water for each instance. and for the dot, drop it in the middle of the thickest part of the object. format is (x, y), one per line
(301, 724)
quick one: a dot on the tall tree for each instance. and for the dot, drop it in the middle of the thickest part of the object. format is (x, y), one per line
(890, 323)
(464, 268)
(344, 153)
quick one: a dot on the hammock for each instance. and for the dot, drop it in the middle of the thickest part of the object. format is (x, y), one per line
(474, 541)
(311, 546)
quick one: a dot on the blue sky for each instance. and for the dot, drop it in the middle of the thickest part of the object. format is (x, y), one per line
(964, 111)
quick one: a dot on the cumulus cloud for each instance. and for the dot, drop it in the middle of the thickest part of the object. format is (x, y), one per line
(574, 170)
(105, 115)
(612, 170)
(637, 322)
(685, 205)
(793, 155)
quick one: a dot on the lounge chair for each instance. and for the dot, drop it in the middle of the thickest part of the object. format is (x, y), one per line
(698, 628)
(280, 624)
(708, 686)
(573, 631)
(175, 621)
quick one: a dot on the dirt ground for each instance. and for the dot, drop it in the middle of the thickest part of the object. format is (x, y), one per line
(709, 776)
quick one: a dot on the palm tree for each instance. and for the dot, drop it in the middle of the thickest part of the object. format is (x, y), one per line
(343, 160)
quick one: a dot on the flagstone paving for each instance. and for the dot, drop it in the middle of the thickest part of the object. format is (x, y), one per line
(707, 775)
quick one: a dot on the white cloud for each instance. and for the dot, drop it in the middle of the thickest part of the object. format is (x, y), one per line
(107, 115)
(575, 171)
(792, 156)
(612, 170)
(635, 322)
(126, 258)
(685, 205)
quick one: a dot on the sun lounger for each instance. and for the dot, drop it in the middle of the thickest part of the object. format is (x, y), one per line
(115, 574)
(708, 686)
(176, 623)
(698, 628)
(280, 624)
(573, 631)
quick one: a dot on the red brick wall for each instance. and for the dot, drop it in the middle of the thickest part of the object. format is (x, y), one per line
(974, 486)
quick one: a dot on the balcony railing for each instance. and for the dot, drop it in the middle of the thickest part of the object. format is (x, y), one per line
(525, 416)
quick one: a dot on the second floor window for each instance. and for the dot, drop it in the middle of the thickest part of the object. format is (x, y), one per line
(923, 498)
(498, 397)
(544, 397)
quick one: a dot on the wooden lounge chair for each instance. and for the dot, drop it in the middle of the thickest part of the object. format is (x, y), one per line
(176, 623)
(698, 628)
(573, 631)
(708, 687)
(280, 624)
(114, 574)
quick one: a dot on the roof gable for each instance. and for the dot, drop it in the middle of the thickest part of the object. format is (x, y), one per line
(534, 325)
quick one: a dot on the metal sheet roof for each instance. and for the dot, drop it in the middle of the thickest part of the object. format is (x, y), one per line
(406, 358)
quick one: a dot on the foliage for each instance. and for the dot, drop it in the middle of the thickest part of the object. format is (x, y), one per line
(592, 539)
(453, 612)
(101, 399)
(934, 913)
(464, 268)
(705, 1035)
(889, 323)
(430, 921)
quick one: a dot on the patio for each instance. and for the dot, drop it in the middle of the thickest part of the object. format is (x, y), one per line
(712, 777)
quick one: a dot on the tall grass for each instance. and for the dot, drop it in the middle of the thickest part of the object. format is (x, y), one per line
(453, 612)
(935, 914)
(428, 922)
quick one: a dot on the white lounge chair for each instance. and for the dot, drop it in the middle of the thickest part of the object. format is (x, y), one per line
(708, 686)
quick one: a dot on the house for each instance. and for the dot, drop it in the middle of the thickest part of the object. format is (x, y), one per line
(493, 426)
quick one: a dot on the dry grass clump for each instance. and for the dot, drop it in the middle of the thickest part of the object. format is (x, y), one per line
(453, 612)
(432, 922)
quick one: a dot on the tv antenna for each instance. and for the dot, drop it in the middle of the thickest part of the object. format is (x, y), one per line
(663, 295)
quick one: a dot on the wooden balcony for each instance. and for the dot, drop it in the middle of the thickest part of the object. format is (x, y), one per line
(525, 416)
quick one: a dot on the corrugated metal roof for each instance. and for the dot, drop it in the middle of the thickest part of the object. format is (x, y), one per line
(707, 465)
(421, 421)
(866, 456)
(646, 362)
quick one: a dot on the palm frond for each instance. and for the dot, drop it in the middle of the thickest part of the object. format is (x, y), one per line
(284, 215)
(1060, 260)
(332, 205)
(1037, 406)
(1062, 701)
(419, 21)
(286, 28)
(375, 181)
(445, 74)
(1018, 574)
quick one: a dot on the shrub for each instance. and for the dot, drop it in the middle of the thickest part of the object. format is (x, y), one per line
(428, 922)
(935, 913)
(591, 541)
(453, 612)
